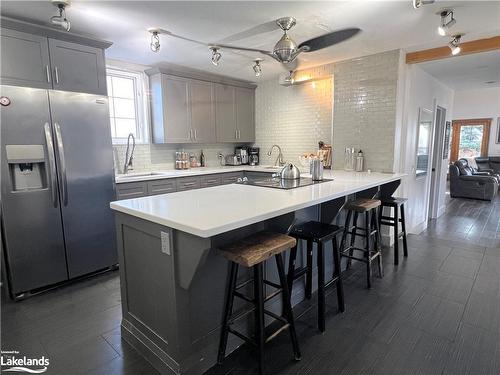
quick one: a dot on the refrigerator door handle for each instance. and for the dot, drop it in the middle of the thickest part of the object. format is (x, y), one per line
(52, 163)
(62, 163)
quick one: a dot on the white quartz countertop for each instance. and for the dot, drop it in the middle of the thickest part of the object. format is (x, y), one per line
(214, 210)
(163, 174)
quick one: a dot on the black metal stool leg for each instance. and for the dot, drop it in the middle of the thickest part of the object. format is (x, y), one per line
(321, 288)
(287, 306)
(259, 313)
(403, 227)
(396, 236)
(291, 268)
(353, 238)
(309, 261)
(346, 230)
(338, 275)
(378, 244)
(368, 245)
(228, 309)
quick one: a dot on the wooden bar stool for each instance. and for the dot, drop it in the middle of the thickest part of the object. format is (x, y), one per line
(393, 221)
(319, 233)
(368, 207)
(248, 252)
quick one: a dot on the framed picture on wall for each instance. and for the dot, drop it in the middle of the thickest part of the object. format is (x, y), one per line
(498, 130)
(446, 140)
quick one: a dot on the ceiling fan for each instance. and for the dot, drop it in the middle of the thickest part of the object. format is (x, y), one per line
(286, 50)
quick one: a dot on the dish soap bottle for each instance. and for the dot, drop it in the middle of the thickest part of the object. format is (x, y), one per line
(202, 159)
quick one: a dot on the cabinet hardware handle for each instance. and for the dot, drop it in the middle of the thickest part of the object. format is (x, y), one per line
(56, 72)
(47, 71)
(236, 134)
(195, 134)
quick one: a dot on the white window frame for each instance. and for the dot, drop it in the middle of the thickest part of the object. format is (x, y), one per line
(142, 107)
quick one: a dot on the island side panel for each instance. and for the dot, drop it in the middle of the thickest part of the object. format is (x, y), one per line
(148, 291)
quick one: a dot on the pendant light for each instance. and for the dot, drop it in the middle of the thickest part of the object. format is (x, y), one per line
(455, 44)
(61, 20)
(257, 68)
(447, 21)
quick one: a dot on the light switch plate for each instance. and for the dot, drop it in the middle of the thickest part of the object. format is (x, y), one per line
(165, 242)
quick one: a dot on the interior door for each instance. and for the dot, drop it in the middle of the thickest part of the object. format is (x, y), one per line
(201, 98)
(77, 68)
(225, 113)
(470, 138)
(84, 153)
(245, 114)
(31, 216)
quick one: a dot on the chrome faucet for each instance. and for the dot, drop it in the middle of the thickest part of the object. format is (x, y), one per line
(279, 160)
(129, 154)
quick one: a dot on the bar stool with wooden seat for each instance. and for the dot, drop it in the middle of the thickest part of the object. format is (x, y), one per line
(252, 252)
(319, 233)
(393, 221)
(368, 207)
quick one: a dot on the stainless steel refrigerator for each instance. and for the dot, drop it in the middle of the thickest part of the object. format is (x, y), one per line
(57, 182)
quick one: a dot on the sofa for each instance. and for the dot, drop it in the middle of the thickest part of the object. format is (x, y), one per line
(465, 184)
(489, 164)
(479, 172)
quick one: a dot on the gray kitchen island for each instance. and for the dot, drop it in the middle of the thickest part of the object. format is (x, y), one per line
(173, 281)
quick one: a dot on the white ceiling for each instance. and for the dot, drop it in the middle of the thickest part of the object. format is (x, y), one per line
(386, 25)
(466, 72)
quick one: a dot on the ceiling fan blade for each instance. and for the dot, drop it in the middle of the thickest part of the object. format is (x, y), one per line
(267, 53)
(329, 39)
(251, 32)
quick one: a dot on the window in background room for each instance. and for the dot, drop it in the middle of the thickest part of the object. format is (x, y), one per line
(470, 138)
(126, 105)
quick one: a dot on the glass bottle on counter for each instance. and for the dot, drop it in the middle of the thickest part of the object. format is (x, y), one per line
(349, 159)
(202, 159)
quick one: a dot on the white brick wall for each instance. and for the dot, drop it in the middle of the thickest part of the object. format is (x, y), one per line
(157, 157)
(363, 111)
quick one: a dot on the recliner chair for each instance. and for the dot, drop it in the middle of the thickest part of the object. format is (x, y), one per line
(464, 184)
(482, 171)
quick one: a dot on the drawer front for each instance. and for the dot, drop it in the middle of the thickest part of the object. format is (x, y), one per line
(162, 186)
(210, 180)
(231, 178)
(131, 190)
(188, 183)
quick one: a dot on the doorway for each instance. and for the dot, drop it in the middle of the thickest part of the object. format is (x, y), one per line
(470, 138)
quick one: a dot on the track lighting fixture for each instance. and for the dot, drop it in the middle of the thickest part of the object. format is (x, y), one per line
(61, 20)
(257, 68)
(155, 40)
(216, 55)
(447, 21)
(455, 44)
(418, 3)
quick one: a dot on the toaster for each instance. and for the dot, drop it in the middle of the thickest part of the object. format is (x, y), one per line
(233, 160)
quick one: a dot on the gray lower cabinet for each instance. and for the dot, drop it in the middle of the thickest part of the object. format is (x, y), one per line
(188, 183)
(131, 190)
(77, 68)
(210, 180)
(156, 187)
(25, 59)
(231, 178)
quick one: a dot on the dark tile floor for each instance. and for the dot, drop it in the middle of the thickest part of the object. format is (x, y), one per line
(438, 312)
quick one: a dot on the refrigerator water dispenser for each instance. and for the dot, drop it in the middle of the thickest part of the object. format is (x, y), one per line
(26, 167)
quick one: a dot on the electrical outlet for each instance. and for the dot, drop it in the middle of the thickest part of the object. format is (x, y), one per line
(165, 242)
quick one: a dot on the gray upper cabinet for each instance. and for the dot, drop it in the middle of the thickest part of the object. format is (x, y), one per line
(225, 113)
(193, 109)
(245, 108)
(201, 104)
(25, 59)
(77, 68)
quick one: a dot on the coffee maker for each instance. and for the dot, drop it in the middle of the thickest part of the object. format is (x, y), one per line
(242, 152)
(253, 155)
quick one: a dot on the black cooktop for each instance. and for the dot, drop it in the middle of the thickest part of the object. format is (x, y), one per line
(278, 183)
